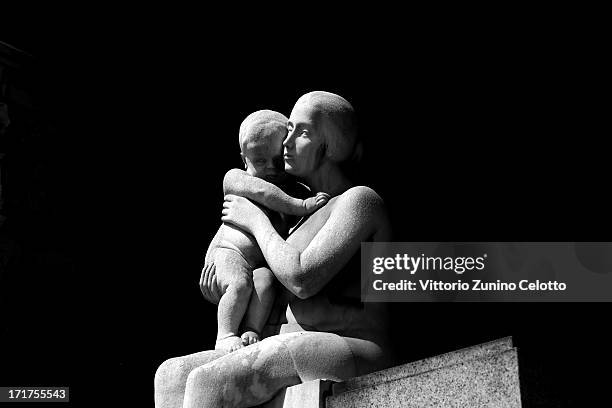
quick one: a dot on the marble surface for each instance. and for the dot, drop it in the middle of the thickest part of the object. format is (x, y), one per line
(484, 375)
(310, 394)
(421, 366)
(490, 381)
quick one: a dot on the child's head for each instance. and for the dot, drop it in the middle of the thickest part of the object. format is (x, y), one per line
(261, 145)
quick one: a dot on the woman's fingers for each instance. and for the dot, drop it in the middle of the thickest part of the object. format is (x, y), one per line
(210, 276)
(207, 271)
(225, 215)
(203, 275)
(207, 282)
(225, 211)
(203, 280)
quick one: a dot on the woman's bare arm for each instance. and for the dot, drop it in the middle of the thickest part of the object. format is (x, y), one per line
(239, 182)
(355, 217)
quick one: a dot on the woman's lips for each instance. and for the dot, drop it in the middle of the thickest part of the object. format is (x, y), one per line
(288, 157)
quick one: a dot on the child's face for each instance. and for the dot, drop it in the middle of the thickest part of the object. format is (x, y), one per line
(264, 157)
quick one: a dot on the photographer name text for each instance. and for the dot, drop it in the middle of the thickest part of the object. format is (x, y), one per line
(474, 285)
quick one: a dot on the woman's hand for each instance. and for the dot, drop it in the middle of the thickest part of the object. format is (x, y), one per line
(242, 213)
(208, 283)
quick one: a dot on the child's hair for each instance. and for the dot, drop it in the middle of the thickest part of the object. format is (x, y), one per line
(259, 124)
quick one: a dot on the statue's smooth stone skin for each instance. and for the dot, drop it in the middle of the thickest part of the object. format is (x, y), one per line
(326, 332)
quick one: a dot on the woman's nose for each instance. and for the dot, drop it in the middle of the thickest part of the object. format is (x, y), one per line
(289, 139)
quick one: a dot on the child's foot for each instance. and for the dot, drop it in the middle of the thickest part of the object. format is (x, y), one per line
(229, 344)
(249, 337)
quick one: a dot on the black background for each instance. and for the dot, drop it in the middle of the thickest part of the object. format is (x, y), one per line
(467, 138)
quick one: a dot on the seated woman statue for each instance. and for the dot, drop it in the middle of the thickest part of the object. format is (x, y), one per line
(325, 331)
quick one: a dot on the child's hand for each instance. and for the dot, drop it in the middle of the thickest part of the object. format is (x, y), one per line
(321, 199)
(311, 204)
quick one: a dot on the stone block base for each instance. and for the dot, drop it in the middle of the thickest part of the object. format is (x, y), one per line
(485, 375)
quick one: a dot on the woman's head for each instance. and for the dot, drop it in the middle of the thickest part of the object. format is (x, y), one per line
(321, 128)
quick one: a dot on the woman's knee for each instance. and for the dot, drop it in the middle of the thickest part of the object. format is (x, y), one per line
(207, 386)
(200, 377)
(242, 378)
(214, 378)
(172, 373)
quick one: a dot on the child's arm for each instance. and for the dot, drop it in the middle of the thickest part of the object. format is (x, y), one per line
(239, 182)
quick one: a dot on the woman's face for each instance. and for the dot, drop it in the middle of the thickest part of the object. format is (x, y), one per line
(303, 146)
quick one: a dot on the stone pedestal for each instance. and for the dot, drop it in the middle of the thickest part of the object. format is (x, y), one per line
(485, 375)
(311, 394)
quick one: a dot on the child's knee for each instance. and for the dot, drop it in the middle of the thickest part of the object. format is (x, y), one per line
(242, 285)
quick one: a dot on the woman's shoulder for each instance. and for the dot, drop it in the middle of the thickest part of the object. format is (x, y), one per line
(362, 195)
(365, 208)
(363, 202)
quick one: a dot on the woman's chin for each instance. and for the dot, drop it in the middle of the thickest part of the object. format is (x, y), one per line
(289, 169)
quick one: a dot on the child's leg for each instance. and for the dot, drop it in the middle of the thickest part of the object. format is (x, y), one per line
(234, 278)
(260, 305)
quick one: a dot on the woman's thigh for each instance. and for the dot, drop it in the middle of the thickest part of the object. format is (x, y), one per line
(246, 377)
(185, 364)
(254, 374)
